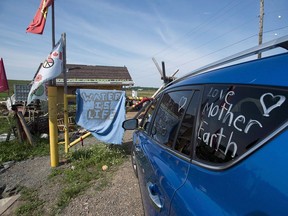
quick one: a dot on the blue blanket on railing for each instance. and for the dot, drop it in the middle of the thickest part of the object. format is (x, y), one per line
(101, 112)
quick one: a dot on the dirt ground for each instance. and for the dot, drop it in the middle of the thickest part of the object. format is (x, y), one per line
(120, 197)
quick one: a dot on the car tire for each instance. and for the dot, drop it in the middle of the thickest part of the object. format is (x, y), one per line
(134, 164)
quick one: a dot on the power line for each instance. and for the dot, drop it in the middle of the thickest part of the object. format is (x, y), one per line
(212, 18)
(230, 45)
(218, 50)
(216, 38)
(198, 34)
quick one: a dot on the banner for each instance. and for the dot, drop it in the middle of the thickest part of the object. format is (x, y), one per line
(3, 79)
(101, 112)
(50, 69)
(38, 23)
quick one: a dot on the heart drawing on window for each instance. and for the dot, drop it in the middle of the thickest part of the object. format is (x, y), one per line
(182, 103)
(271, 98)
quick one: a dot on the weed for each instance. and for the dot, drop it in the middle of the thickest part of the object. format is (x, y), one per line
(13, 150)
(6, 122)
(33, 205)
(71, 191)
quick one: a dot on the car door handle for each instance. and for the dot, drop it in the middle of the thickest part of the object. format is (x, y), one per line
(154, 197)
(137, 145)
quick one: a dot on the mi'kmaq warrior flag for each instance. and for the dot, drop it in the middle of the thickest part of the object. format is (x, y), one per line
(50, 69)
(3, 79)
(38, 23)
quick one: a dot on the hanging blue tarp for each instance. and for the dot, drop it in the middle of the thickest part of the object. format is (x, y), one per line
(101, 112)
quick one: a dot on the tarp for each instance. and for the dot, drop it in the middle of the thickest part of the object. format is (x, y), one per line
(101, 112)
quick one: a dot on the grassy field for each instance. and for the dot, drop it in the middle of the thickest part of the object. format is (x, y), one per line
(142, 91)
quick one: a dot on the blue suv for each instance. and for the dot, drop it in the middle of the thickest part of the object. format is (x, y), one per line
(215, 142)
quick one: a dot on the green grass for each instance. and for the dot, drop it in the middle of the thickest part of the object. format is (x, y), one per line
(15, 151)
(6, 123)
(32, 206)
(144, 92)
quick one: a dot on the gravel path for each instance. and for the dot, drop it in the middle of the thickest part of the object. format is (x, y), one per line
(30, 173)
(120, 197)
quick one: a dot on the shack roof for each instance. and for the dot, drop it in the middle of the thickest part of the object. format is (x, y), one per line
(94, 74)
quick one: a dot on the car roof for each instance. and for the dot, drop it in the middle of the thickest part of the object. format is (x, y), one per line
(271, 71)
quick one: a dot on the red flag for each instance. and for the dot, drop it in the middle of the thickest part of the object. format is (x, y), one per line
(38, 23)
(3, 79)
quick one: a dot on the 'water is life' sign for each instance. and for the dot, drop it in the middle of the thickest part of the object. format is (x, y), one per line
(101, 112)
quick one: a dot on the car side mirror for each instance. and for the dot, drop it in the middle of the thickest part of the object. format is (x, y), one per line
(130, 124)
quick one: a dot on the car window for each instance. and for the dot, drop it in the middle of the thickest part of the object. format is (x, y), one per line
(168, 116)
(236, 118)
(183, 142)
(146, 116)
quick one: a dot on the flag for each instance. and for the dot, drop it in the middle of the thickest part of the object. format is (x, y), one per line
(101, 112)
(50, 69)
(38, 23)
(41, 93)
(3, 79)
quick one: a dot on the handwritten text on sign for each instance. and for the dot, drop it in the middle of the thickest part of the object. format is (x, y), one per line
(237, 122)
(101, 104)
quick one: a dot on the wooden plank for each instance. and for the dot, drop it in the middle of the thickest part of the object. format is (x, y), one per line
(25, 127)
(7, 202)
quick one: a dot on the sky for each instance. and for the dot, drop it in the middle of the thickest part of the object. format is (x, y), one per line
(185, 34)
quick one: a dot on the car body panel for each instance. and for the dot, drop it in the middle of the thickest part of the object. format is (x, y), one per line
(255, 186)
(156, 165)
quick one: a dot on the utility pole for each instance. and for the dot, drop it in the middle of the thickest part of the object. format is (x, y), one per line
(261, 18)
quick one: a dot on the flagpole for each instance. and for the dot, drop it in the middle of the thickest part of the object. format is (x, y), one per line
(53, 81)
(66, 123)
(37, 26)
(52, 106)
(53, 25)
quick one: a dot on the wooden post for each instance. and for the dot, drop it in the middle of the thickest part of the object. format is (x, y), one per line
(66, 123)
